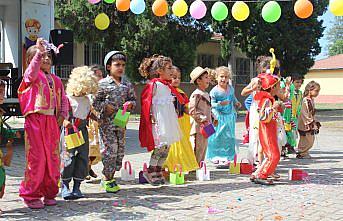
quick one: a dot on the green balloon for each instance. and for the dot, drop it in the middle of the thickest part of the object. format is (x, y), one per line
(271, 11)
(109, 1)
(219, 11)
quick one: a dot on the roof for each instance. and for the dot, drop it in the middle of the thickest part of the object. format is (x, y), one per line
(330, 63)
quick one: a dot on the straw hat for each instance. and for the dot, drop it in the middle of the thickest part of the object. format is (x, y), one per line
(196, 73)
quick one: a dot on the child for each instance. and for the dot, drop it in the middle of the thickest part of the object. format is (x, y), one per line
(80, 84)
(93, 130)
(158, 127)
(44, 105)
(222, 144)
(5, 160)
(292, 112)
(181, 152)
(200, 111)
(267, 128)
(308, 126)
(114, 92)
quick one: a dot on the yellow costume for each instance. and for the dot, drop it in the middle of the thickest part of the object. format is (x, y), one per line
(182, 152)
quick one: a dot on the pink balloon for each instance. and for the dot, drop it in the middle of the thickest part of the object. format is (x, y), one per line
(198, 9)
(94, 1)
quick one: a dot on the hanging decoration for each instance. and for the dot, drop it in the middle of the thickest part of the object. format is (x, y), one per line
(137, 6)
(240, 11)
(198, 9)
(123, 5)
(271, 12)
(303, 8)
(102, 21)
(180, 8)
(336, 7)
(109, 1)
(94, 1)
(219, 11)
(160, 8)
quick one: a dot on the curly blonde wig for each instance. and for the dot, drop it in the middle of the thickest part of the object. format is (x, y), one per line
(82, 82)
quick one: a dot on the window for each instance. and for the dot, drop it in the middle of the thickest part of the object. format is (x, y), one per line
(63, 71)
(94, 54)
(205, 60)
(242, 73)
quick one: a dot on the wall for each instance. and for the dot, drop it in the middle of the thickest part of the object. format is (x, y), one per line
(331, 81)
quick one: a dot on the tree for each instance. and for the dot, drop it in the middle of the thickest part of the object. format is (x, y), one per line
(335, 37)
(295, 40)
(137, 35)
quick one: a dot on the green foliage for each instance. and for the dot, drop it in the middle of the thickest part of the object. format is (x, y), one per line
(335, 37)
(295, 40)
(137, 35)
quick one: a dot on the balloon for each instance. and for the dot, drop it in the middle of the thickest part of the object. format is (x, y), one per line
(160, 7)
(303, 8)
(336, 7)
(219, 11)
(180, 8)
(102, 21)
(94, 1)
(123, 5)
(137, 6)
(109, 1)
(198, 9)
(271, 11)
(240, 11)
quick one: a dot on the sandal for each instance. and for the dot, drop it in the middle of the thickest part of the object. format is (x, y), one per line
(263, 181)
(252, 178)
(92, 173)
(34, 204)
(151, 180)
(274, 176)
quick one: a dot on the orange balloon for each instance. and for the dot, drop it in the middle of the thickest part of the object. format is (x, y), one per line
(160, 7)
(303, 8)
(123, 5)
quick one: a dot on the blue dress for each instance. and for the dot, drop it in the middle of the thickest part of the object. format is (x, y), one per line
(221, 145)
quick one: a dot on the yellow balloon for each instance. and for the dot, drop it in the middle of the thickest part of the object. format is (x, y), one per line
(102, 21)
(180, 8)
(240, 11)
(336, 7)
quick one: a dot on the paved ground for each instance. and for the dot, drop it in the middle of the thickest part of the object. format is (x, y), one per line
(225, 197)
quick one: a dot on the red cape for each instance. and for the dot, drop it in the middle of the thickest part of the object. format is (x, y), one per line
(146, 138)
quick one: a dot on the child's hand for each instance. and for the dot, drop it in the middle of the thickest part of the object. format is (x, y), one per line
(109, 110)
(129, 105)
(40, 45)
(67, 124)
(215, 123)
(238, 105)
(152, 119)
(223, 103)
(60, 120)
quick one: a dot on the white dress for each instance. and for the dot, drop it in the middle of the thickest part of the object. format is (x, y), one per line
(166, 131)
(253, 131)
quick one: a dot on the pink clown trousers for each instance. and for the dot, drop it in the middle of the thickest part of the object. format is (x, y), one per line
(42, 157)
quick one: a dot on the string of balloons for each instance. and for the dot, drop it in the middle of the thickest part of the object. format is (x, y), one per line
(271, 11)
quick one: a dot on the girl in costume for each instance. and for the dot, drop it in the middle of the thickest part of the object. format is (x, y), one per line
(158, 127)
(308, 125)
(80, 84)
(221, 145)
(267, 128)
(44, 105)
(181, 152)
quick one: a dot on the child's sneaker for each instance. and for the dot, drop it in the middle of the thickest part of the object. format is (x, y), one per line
(65, 193)
(76, 190)
(110, 186)
(34, 204)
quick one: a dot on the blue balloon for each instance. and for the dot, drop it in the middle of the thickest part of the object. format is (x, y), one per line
(137, 6)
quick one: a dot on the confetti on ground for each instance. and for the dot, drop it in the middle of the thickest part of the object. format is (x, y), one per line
(239, 199)
(278, 218)
(211, 210)
(115, 204)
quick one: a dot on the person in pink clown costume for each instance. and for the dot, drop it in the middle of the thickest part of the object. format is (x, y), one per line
(44, 105)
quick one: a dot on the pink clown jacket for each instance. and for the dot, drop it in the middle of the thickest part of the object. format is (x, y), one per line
(36, 96)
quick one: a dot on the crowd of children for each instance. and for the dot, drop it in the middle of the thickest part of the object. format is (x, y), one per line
(177, 130)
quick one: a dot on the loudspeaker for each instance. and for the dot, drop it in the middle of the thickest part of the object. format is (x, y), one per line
(65, 37)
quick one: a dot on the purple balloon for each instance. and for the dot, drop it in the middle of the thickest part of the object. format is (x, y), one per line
(198, 9)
